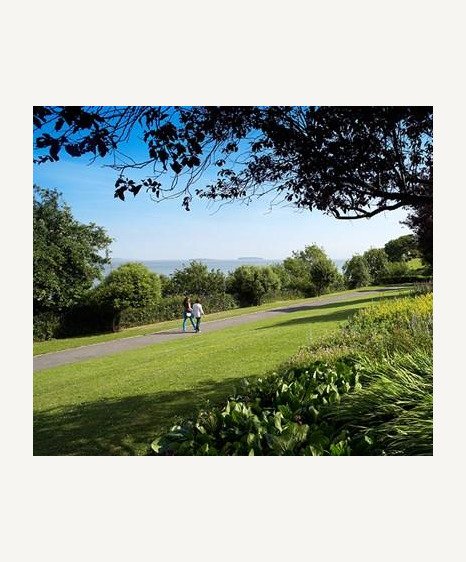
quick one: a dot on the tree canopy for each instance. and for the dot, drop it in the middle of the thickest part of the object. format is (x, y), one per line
(249, 284)
(377, 262)
(356, 272)
(68, 256)
(195, 279)
(131, 285)
(311, 270)
(402, 248)
(350, 162)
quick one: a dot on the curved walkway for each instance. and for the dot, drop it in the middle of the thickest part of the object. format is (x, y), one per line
(77, 354)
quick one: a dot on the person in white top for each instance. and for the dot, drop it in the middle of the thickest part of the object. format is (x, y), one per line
(197, 313)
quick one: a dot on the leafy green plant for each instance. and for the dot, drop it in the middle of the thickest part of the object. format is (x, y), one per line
(392, 413)
(276, 415)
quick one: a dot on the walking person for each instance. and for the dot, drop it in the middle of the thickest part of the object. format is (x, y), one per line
(187, 313)
(197, 313)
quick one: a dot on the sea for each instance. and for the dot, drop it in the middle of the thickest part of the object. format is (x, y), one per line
(167, 267)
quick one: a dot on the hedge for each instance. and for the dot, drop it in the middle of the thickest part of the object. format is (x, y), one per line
(171, 308)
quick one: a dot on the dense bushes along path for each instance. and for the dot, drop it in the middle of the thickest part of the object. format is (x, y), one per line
(78, 354)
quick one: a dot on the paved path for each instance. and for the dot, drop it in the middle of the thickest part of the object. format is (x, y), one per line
(78, 354)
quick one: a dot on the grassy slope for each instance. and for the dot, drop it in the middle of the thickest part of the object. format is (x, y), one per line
(117, 404)
(67, 343)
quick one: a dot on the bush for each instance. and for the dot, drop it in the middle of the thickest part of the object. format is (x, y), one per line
(310, 272)
(195, 279)
(132, 285)
(398, 325)
(356, 272)
(400, 272)
(272, 416)
(402, 249)
(46, 326)
(87, 317)
(249, 284)
(287, 294)
(377, 263)
(358, 408)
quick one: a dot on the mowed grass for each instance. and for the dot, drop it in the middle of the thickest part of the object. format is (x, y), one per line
(53, 345)
(117, 404)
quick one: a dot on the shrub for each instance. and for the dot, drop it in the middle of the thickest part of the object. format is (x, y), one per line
(356, 272)
(377, 263)
(422, 288)
(46, 326)
(402, 248)
(310, 271)
(196, 279)
(249, 284)
(272, 416)
(397, 269)
(400, 272)
(398, 325)
(132, 285)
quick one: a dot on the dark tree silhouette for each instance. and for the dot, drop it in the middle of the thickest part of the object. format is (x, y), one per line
(350, 162)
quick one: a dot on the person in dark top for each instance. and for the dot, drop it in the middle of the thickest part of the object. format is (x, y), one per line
(187, 313)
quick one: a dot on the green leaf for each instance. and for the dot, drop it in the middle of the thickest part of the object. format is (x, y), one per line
(155, 445)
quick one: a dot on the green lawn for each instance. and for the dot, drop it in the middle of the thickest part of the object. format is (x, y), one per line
(68, 343)
(117, 404)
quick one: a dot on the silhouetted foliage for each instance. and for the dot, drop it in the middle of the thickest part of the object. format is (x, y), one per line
(421, 221)
(350, 162)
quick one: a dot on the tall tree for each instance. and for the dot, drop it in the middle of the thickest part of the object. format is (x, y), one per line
(350, 162)
(377, 262)
(421, 221)
(68, 255)
(313, 272)
(249, 284)
(356, 272)
(196, 279)
(402, 248)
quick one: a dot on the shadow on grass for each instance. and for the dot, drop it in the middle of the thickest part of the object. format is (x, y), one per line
(336, 304)
(337, 316)
(386, 289)
(120, 426)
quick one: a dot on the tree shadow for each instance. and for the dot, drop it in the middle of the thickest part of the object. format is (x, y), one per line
(337, 304)
(337, 316)
(386, 289)
(123, 426)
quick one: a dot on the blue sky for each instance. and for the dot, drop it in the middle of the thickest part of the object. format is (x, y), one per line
(144, 230)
